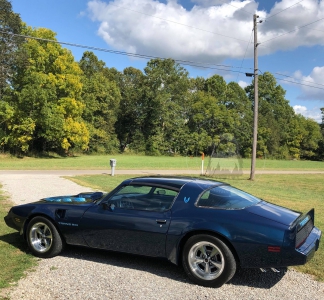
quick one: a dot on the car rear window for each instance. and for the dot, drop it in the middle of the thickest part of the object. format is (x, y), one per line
(226, 197)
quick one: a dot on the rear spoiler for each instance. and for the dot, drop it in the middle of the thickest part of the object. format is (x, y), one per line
(303, 219)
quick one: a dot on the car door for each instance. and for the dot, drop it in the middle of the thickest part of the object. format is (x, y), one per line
(135, 219)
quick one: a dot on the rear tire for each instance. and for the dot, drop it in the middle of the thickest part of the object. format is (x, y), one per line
(43, 238)
(208, 261)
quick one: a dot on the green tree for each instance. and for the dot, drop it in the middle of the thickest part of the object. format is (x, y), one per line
(275, 116)
(130, 123)
(240, 108)
(165, 104)
(216, 86)
(226, 112)
(209, 119)
(310, 136)
(320, 150)
(101, 97)
(46, 97)
(10, 24)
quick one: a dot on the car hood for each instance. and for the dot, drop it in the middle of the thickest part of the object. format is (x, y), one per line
(274, 212)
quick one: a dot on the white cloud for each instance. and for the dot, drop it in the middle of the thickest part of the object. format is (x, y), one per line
(299, 109)
(210, 2)
(150, 31)
(314, 113)
(312, 85)
(150, 27)
(243, 84)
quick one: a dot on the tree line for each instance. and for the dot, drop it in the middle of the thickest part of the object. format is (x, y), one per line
(51, 103)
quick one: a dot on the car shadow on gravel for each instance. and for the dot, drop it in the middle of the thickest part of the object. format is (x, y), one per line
(243, 277)
(257, 279)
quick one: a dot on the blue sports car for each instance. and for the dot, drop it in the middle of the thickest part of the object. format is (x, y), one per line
(209, 227)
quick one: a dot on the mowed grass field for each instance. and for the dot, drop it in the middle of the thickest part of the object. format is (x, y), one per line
(297, 192)
(139, 162)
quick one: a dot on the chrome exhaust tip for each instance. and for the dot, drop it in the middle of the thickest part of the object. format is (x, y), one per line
(263, 270)
(275, 270)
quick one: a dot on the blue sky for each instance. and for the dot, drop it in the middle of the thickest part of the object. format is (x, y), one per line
(217, 32)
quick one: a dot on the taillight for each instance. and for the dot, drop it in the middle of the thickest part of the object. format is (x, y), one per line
(274, 249)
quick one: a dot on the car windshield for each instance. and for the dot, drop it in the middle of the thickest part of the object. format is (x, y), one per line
(226, 197)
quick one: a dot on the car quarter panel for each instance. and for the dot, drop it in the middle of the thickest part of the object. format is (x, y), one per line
(250, 235)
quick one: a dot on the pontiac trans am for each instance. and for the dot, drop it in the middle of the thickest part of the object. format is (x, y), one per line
(209, 227)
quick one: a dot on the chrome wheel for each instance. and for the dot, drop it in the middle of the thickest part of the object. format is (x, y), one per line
(206, 260)
(41, 237)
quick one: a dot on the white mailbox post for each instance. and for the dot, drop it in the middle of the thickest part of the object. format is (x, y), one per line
(113, 165)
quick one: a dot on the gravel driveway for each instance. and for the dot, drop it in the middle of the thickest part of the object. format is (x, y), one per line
(80, 273)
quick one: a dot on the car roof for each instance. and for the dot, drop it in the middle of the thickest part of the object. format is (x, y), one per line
(175, 181)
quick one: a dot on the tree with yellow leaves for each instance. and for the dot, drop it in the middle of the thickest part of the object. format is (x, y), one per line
(46, 98)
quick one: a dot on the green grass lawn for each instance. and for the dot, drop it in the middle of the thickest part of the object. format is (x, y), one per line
(139, 162)
(298, 192)
(14, 260)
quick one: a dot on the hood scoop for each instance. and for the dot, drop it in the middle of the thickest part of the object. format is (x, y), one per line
(80, 198)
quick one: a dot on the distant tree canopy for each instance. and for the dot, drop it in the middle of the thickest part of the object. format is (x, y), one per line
(100, 97)
(50, 102)
(9, 23)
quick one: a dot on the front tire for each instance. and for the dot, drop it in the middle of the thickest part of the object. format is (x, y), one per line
(43, 238)
(208, 261)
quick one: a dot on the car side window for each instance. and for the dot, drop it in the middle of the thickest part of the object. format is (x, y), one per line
(226, 197)
(143, 197)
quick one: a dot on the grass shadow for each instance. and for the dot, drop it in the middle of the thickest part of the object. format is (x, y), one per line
(15, 239)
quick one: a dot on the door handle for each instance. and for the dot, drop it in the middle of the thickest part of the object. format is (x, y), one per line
(161, 221)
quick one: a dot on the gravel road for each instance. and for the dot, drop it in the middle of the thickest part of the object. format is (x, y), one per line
(80, 273)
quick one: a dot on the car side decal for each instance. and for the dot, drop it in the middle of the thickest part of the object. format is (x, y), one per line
(186, 200)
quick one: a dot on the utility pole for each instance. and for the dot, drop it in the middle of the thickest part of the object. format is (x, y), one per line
(256, 97)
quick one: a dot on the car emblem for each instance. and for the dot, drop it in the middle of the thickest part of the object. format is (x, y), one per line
(186, 200)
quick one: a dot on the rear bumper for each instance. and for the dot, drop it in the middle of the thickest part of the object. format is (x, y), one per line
(301, 255)
(310, 246)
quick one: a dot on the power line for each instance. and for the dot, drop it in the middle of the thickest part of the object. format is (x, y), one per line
(303, 80)
(298, 83)
(266, 19)
(144, 56)
(247, 46)
(271, 16)
(300, 27)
